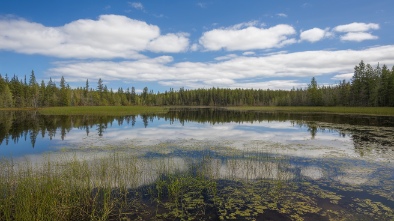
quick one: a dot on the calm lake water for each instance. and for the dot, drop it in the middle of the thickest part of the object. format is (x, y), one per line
(265, 166)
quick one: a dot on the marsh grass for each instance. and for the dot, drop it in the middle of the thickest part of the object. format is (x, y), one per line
(381, 111)
(134, 110)
(65, 189)
(121, 186)
(103, 110)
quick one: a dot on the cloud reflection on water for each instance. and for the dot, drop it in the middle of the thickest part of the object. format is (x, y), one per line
(275, 137)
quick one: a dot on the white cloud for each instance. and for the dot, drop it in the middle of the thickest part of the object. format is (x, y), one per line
(357, 27)
(358, 36)
(242, 72)
(169, 43)
(313, 35)
(226, 57)
(110, 36)
(243, 25)
(136, 5)
(247, 53)
(195, 47)
(249, 38)
(283, 15)
(341, 77)
(357, 31)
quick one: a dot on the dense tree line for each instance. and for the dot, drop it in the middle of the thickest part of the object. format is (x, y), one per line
(369, 87)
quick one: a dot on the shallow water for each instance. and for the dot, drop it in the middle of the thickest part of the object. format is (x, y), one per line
(277, 166)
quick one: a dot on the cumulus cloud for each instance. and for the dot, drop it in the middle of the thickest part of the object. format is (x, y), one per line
(356, 27)
(194, 47)
(169, 43)
(283, 15)
(110, 36)
(313, 35)
(357, 31)
(240, 37)
(242, 72)
(358, 36)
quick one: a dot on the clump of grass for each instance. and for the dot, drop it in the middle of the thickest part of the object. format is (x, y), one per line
(65, 189)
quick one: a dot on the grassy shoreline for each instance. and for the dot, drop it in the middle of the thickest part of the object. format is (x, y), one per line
(103, 110)
(378, 111)
(134, 110)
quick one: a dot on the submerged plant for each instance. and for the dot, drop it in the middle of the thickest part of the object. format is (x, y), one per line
(120, 186)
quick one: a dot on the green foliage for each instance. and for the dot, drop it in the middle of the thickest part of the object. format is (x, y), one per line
(314, 94)
(368, 87)
(5, 95)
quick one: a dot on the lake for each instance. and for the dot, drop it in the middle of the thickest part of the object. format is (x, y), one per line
(215, 164)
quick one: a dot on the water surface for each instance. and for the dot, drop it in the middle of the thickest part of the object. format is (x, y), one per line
(276, 166)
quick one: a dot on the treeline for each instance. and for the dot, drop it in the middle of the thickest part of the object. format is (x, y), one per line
(369, 87)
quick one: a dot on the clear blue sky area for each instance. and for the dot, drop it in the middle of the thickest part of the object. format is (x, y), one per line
(275, 44)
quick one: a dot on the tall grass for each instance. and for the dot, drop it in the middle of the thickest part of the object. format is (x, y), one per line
(75, 188)
(112, 187)
(103, 110)
(120, 186)
(64, 189)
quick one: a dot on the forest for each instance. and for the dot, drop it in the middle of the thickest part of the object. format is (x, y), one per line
(369, 86)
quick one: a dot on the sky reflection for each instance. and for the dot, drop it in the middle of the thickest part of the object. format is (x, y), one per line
(272, 136)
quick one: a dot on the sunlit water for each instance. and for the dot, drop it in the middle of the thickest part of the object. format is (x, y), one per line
(350, 157)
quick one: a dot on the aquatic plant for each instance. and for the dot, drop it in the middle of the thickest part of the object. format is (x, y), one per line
(120, 185)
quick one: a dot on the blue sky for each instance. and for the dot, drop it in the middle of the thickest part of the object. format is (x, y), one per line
(194, 44)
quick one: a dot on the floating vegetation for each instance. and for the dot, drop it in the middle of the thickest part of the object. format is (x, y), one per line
(231, 165)
(188, 185)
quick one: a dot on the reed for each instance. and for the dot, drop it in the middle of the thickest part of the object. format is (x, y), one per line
(65, 188)
(121, 186)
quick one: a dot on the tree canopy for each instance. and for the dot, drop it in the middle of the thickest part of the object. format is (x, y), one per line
(368, 87)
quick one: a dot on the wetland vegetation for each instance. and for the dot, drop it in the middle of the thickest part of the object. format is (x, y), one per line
(188, 185)
(196, 164)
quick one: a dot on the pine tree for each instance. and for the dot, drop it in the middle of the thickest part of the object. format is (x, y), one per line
(64, 99)
(384, 95)
(314, 94)
(42, 94)
(391, 89)
(33, 96)
(5, 94)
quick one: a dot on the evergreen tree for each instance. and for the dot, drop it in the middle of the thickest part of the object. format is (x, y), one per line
(33, 96)
(5, 95)
(64, 99)
(390, 89)
(42, 94)
(144, 96)
(384, 94)
(314, 94)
